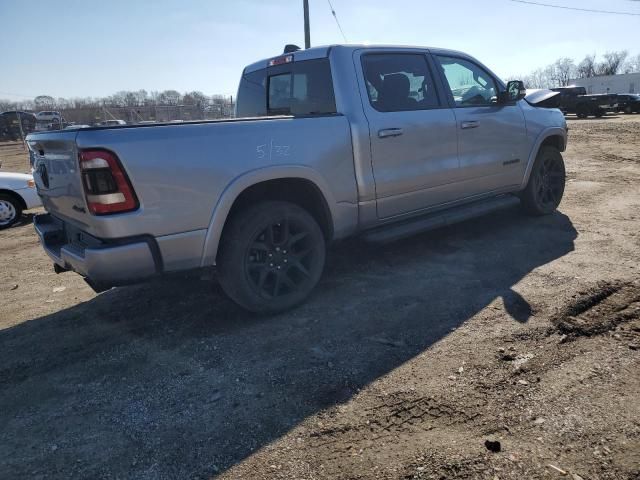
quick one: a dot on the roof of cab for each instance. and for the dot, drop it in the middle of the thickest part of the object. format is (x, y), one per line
(323, 51)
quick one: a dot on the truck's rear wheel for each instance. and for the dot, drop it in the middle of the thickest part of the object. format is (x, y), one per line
(271, 257)
(544, 191)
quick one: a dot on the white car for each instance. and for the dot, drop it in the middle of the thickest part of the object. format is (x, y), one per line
(17, 193)
(48, 116)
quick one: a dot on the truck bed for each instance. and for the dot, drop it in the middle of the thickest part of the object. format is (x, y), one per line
(180, 171)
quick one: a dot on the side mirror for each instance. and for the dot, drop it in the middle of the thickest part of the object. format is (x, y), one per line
(515, 91)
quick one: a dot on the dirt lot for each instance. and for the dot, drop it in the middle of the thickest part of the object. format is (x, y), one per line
(410, 361)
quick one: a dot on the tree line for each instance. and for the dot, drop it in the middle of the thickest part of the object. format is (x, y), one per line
(124, 98)
(563, 70)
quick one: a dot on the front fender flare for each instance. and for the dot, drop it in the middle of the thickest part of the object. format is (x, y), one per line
(546, 133)
(246, 180)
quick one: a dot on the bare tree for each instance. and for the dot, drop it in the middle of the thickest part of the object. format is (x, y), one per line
(612, 63)
(537, 79)
(130, 99)
(561, 71)
(632, 65)
(196, 98)
(587, 67)
(170, 97)
(141, 97)
(8, 105)
(44, 102)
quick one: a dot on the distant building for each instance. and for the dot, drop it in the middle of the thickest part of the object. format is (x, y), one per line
(624, 83)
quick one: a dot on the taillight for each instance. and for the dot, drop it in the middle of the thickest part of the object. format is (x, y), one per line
(105, 184)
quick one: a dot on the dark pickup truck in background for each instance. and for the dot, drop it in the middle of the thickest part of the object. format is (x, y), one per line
(629, 103)
(575, 100)
(10, 123)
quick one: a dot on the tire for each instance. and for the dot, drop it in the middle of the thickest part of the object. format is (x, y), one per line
(545, 188)
(271, 257)
(628, 110)
(582, 111)
(599, 113)
(10, 210)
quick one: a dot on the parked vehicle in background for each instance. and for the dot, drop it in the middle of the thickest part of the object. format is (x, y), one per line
(11, 122)
(49, 116)
(629, 103)
(47, 126)
(383, 142)
(111, 123)
(575, 100)
(49, 120)
(17, 193)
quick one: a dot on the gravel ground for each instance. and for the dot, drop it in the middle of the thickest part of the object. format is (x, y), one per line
(503, 348)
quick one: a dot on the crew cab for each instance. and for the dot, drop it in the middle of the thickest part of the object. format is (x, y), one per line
(330, 142)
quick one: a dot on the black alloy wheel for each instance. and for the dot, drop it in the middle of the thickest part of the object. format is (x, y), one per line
(545, 188)
(271, 256)
(549, 183)
(280, 257)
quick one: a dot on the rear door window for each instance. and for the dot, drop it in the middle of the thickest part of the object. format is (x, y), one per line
(399, 81)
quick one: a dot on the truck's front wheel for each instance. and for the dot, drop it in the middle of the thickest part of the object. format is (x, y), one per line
(544, 191)
(271, 256)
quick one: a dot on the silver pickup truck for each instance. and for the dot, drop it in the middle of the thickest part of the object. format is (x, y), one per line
(329, 142)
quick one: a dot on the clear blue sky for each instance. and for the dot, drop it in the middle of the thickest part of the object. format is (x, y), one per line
(75, 48)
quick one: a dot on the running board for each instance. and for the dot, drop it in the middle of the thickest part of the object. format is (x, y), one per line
(399, 230)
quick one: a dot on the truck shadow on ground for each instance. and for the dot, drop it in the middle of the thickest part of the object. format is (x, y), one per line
(171, 380)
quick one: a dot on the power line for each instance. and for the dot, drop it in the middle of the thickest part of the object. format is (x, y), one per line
(576, 8)
(333, 12)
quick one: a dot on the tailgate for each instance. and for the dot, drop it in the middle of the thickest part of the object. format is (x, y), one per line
(57, 174)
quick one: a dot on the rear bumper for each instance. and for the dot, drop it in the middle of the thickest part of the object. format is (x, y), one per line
(104, 264)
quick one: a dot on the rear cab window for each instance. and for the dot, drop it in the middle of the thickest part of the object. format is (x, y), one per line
(297, 88)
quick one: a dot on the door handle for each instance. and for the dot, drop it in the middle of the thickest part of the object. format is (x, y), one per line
(469, 124)
(390, 132)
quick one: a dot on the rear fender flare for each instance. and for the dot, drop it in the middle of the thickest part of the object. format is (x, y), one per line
(546, 133)
(233, 190)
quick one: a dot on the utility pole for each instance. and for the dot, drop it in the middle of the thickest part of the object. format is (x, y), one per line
(307, 34)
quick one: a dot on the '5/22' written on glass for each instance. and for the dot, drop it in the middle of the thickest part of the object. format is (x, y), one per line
(271, 150)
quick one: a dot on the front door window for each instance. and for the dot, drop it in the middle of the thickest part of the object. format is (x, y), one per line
(470, 85)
